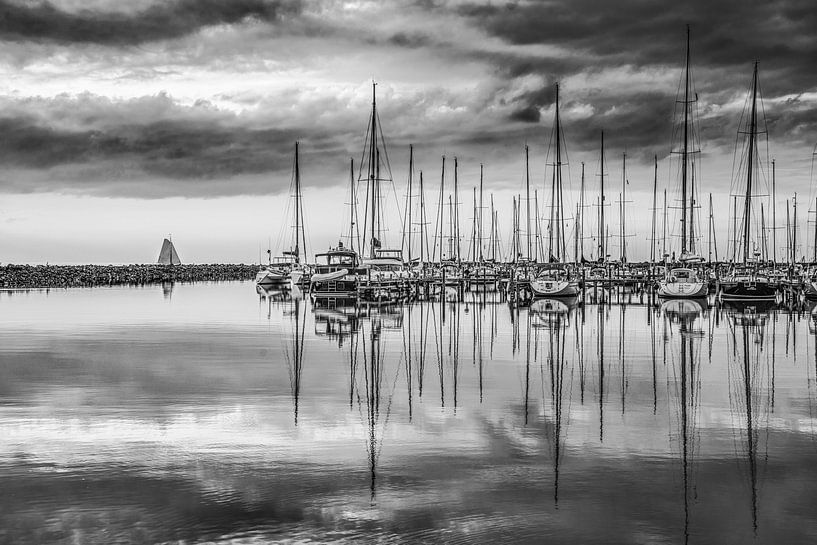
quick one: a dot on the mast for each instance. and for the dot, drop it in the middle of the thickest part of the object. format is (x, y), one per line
(480, 214)
(576, 237)
(438, 228)
(749, 167)
(513, 231)
(352, 204)
(422, 222)
(654, 210)
(811, 177)
(664, 230)
(762, 233)
(493, 231)
(408, 214)
(538, 242)
(794, 230)
(408, 198)
(373, 160)
(623, 198)
(527, 198)
(474, 227)
(788, 232)
(456, 248)
(815, 232)
(735, 227)
(774, 221)
(692, 249)
(602, 246)
(711, 228)
(684, 156)
(581, 217)
(560, 236)
(450, 228)
(297, 207)
(496, 236)
(556, 235)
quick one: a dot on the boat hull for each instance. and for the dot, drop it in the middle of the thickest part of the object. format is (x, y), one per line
(271, 277)
(682, 290)
(747, 290)
(335, 285)
(550, 288)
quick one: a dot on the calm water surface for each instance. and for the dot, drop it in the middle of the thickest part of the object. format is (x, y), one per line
(210, 413)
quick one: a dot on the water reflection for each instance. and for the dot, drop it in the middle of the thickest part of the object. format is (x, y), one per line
(749, 393)
(556, 325)
(270, 418)
(167, 289)
(685, 386)
(294, 355)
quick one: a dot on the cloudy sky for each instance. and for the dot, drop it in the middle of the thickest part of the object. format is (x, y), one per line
(125, 121)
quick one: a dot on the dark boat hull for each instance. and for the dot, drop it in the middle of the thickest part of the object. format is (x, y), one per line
(747, 290)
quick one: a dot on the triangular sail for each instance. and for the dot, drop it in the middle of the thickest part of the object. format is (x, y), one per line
(168, 255)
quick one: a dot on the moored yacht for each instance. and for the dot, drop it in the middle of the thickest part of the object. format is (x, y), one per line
(746, 282)
(554, 281)
(386, 276)
(276, 273)
(337, 275)
(683, 283)
(287, 270)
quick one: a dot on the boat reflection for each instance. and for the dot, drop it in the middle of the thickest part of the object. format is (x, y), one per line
(684, 388)
(561, 388)
(382, 342)
(375, 403)
(548, 313)
(167, 289)
(749, 372)
(294, 352)
(339, 323)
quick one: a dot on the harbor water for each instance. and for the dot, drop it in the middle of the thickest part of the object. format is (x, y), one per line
(210, 412)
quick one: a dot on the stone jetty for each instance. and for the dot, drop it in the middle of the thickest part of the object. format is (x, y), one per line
(70, 276)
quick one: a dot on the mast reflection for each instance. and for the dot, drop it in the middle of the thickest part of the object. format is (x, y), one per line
(685, 388)
(749, 398)
(294, 352)
(553, 317)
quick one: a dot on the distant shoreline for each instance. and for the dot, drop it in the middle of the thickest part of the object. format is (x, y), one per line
(70, 276)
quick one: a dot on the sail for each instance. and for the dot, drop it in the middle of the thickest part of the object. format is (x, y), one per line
(168, 255)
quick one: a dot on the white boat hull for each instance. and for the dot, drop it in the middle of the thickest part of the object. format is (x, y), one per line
(682, 290)
(271, 277)
(554, 288)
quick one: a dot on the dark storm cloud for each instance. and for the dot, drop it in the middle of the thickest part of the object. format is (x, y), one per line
(724, 32)
(176, 149)
(156, 159)
(596, 35)
(162, 21)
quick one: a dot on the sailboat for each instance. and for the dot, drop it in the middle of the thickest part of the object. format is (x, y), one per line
(168, 255)
(386, 272)
(745, 281)
(341, 273)
(685, 281)
(286, 270)
(554, 279)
